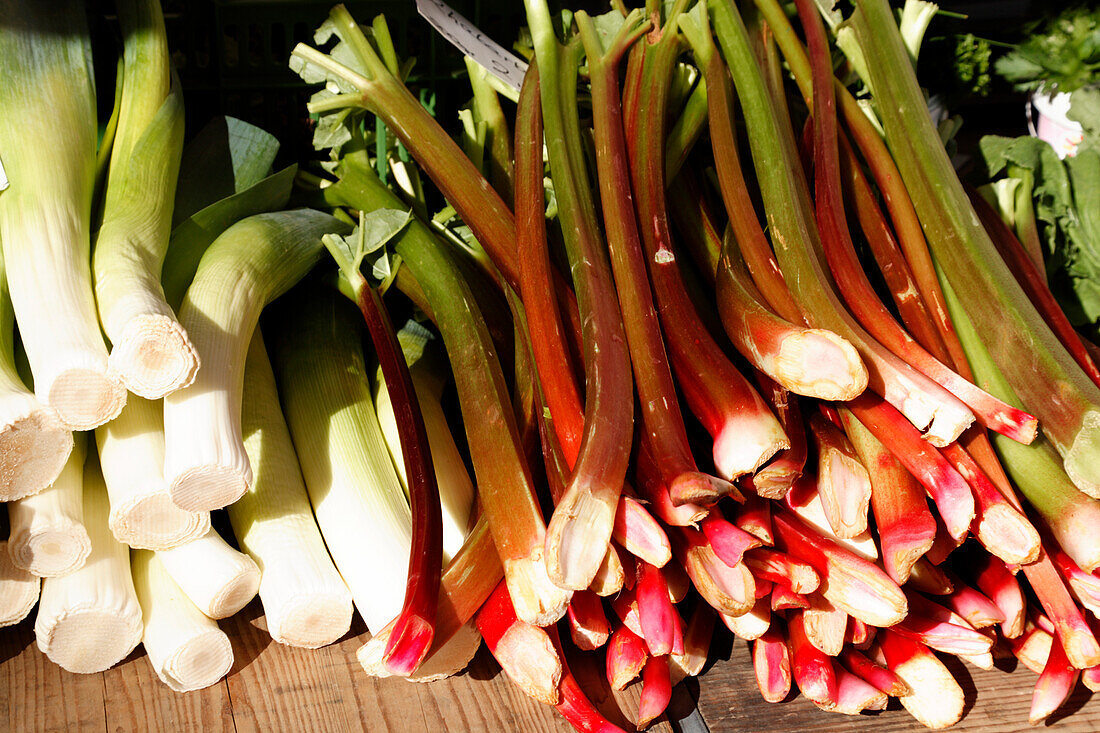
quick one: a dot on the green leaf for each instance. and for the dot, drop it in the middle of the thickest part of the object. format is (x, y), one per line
(378, 227)
(228, 156)
(608, 25)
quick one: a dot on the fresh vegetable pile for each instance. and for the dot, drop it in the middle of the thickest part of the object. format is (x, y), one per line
(723, 348)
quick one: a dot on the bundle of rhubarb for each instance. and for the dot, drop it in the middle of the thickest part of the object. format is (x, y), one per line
(783, 372)
(876, 374)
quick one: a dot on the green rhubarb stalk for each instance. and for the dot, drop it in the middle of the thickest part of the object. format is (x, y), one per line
(370, 84)
(580, 528)
(795, 239)
(745, 433)
(1051, 385)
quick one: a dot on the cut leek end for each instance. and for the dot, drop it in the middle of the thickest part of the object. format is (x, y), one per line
(235, 595)
(311, 621)
(34, 446)
(52, 551)
(536, 598)
(154, 522)
(1007, 534)
(819, 363)
(85, 398)
(154, 357)
(694, 487)
(199, 662)
(89, 640)
(610, 576)
(1082, 462)
(743, 445)
(528, 657)
(210, 487)
(408, 645)
(444, 661)
(18, 590)
(577, 537)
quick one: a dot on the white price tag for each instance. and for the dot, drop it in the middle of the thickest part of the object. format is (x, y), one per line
(3, 178)
(464, 35)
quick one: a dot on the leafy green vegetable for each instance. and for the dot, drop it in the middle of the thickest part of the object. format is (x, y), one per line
(1062, 55)
(1066, 198)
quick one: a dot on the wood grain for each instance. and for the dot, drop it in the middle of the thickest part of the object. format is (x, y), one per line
(276, 688)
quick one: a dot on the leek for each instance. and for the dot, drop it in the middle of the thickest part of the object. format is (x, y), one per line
(48, 148)
(250, 264)
(186, 648)
(217, 578)
(18, 590)
(305, 600)
(34, 444)
(131, 454)
(150, 350)
(48, 537)
(352, 483)
(90, 619)
(456, 491)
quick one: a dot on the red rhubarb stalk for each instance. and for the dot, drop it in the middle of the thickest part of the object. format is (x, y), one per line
(783, 598)
(1000, 586)
(656, 614)
(854, 585)
(854, 695)
(656, 690)
(880, 677)
(843, 483)
(730, 590)
(639, 533)
(626, 656)
(825, 624)
(750, 626)
(745, 432)
(949, 490)
(728, 541)
(1054, 686)
(588, 625)
(812, 669)
(697, 638)
(580, 528)
(935, 698)
(771, 663)
(905, 527)
(774, 479)
(572, 704)
(755, 517)
(525, 652)
(781, 568)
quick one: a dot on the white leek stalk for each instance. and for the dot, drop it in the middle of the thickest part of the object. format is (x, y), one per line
(48, 149)
(356, 495)
(456, 491)
(90, 619)
(150, 350)
(217, 578)
(34, 445)
(131, 453)
(18, 590)
(48, 537)
(253, 262)
(186, 648)
(306, 602)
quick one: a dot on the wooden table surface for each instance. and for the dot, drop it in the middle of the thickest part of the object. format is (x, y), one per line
(275, 688)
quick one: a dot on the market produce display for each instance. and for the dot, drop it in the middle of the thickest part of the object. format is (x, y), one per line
(694, 327)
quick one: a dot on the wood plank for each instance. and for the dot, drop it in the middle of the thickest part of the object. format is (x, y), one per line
(277, 688)
(135, 699)
(273, 687)
(41, 695)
